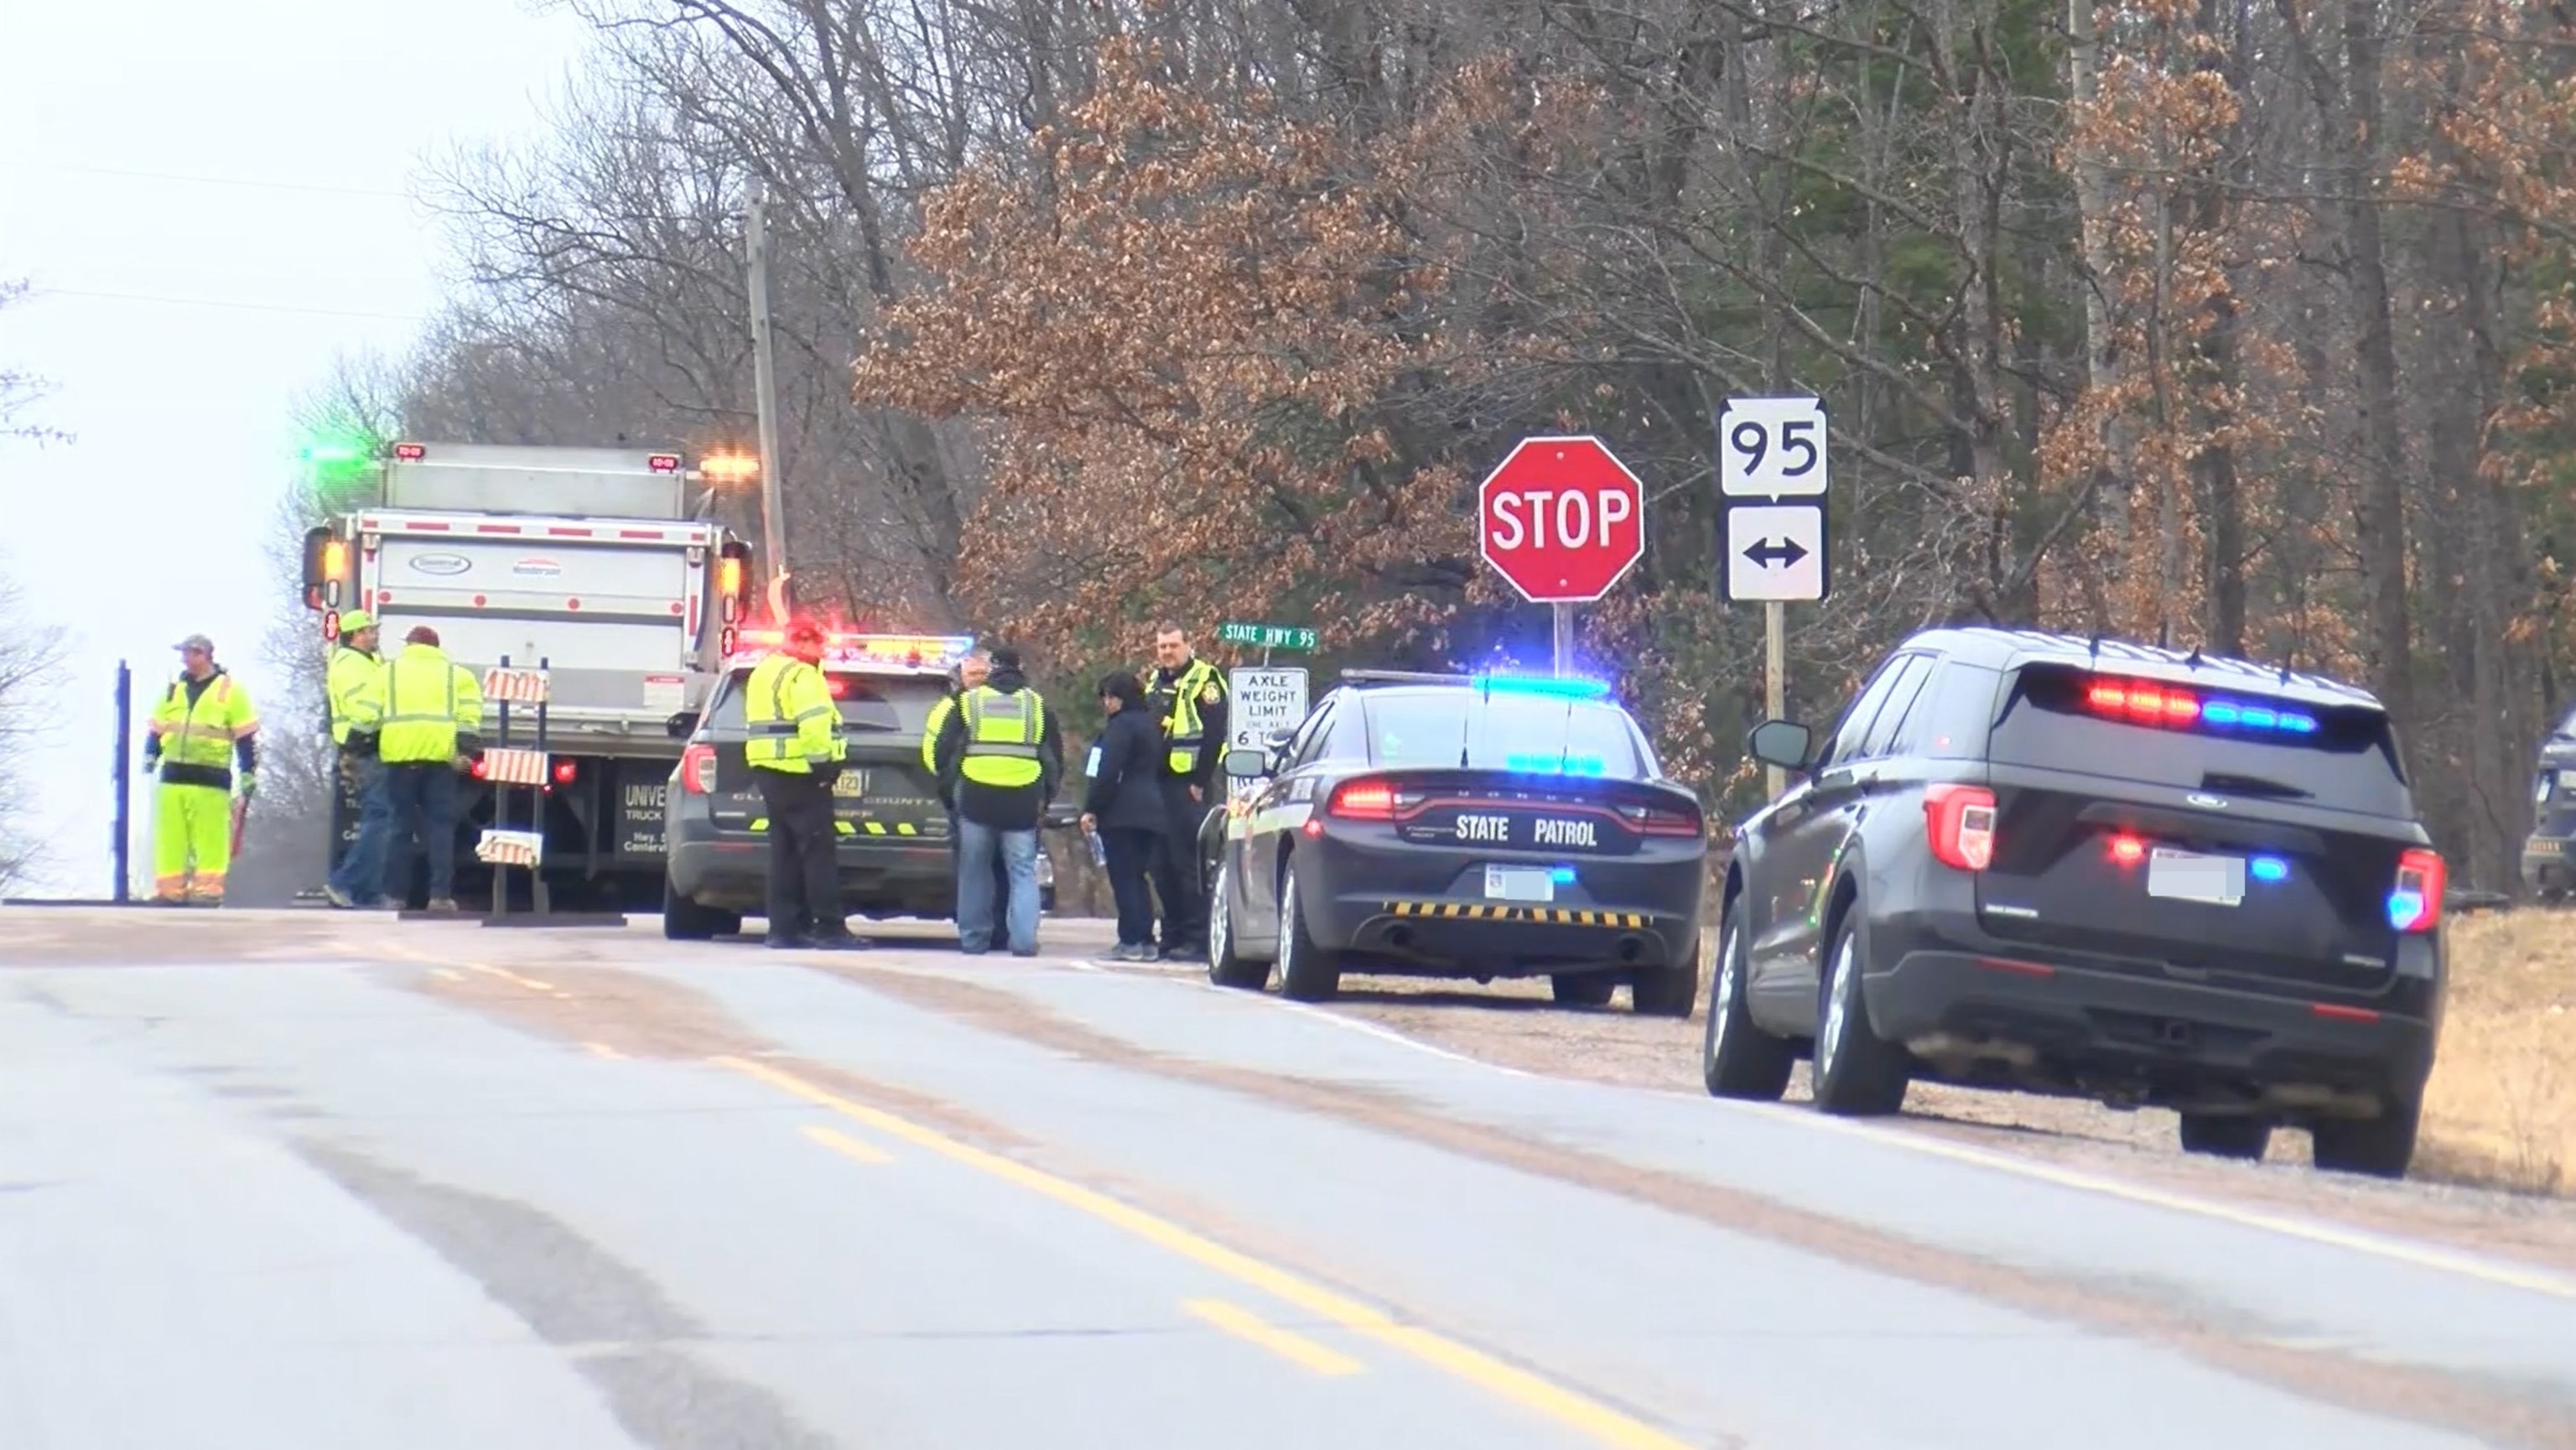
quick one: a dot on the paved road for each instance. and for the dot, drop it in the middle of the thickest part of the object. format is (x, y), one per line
(308, 1181)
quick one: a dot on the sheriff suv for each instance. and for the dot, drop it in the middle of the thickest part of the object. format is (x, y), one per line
(2080, 867)
(894, 848)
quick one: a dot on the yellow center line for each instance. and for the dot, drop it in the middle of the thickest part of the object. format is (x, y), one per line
(505, 974)
(1297, 1349)
(844, 1144)
(1506, 1381)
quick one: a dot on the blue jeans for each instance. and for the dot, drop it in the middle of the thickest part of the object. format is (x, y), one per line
(977, 846)
(424, 802)
(361, 873)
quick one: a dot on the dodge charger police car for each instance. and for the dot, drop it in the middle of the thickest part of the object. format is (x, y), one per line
(1460, 826)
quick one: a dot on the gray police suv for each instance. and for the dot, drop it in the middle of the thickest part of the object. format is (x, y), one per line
(894, 847)
(2081, 867)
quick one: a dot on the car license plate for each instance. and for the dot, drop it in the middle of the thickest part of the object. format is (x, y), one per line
(1520, 883)
(2188, 876)
(851, 785)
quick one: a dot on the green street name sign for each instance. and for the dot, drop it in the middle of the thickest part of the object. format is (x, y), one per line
(1267, 636)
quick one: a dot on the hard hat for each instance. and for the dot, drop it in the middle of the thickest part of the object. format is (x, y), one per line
(356, 620)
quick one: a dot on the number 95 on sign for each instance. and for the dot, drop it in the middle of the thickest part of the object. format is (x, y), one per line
(1771, 448)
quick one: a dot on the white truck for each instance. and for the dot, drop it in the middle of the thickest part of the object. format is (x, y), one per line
(590, 563)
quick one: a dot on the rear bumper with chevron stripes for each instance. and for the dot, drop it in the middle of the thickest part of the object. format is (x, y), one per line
(1540, 915)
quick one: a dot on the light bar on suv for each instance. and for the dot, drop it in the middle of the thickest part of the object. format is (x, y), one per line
(1561, 687)
(2145, 702)
(847, 649)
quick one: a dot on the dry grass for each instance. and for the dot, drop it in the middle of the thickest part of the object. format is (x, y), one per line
(2501, 1110)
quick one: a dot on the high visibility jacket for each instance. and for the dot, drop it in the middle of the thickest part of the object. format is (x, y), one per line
(794, 724)
(357, 689)
(1184, 729)
(430, 703)
(939, 714)
(197, 738)
(1002, 735)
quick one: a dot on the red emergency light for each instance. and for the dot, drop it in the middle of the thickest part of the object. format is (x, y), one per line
(663, 462)
(410, 452)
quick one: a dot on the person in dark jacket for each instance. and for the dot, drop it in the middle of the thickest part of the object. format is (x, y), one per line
(1124, 806)
(1000, 759)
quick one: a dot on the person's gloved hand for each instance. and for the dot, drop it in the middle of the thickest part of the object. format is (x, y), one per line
(829, 772)
(249, 785)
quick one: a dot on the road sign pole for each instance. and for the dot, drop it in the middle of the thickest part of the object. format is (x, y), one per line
(1564, 632)
(1775, 678)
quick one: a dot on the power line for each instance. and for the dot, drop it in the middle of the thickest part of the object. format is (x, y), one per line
(35, 294)
(239, 181)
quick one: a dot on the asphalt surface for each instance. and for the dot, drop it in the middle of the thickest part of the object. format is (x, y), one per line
(310, 1180)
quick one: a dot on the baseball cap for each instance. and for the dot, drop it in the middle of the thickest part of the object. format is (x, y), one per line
(355, 620)
(195, 641)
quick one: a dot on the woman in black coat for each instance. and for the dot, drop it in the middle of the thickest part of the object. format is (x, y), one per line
(1124, 804)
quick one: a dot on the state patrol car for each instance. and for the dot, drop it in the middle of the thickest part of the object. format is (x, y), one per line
(1459, 826)
(894, 849)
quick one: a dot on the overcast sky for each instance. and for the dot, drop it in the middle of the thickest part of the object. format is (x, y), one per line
(210, 201)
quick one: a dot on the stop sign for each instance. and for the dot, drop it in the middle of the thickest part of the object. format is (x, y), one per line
(1562, 519)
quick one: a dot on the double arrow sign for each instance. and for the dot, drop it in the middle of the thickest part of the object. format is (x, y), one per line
(1768, 554)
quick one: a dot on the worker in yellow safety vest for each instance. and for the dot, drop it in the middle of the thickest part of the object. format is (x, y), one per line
(356, 687)
(204, 725)
(1000, 759)
(1189, 696)
(433, 729)
(796, 751)
(969, 673)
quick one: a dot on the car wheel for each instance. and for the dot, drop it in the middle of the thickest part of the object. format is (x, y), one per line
(2225, 1135)
(1583, 989)
(685, 920)
(1737, 1058)
(1225, 967)
(1670, 990)
(1858, 1074)
(1307, 972)
(2380, 1147)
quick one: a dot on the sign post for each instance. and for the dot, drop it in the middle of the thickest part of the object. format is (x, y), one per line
(1772, 474)
(1561, 519)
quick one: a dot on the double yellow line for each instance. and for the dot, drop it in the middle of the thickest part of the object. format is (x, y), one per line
(1510, 1382)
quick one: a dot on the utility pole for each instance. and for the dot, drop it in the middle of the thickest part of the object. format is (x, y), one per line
(764, 382)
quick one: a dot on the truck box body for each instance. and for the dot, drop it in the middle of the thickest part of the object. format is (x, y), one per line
(580, 561)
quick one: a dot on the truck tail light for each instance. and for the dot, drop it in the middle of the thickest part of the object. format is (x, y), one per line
(1960, 821)
(565, 771)
(698, 770)
(2415, 904)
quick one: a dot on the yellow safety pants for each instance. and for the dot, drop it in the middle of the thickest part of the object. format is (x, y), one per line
(192, 842)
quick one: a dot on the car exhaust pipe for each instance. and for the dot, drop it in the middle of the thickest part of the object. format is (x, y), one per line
(1631, 948)
(1399, 937)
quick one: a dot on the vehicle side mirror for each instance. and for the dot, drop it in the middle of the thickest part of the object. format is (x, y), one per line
(1246, 763)
(682, 725)
(1784, 743)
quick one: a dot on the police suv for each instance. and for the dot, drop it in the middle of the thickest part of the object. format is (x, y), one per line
(894, 847)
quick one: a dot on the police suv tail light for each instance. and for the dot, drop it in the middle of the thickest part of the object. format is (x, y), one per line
(1363, 800)
(1960, 821)
(698, 770)
(2416, 902)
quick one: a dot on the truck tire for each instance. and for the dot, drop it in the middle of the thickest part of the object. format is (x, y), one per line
(685, 920)
(2380, 1147)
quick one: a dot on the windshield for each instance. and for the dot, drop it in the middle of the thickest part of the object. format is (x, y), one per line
(2349, 762)
(899, 704)
(1503, 732)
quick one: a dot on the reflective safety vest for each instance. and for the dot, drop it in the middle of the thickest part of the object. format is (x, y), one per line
(795, 726)
(1184, 732)
(201, 732)
(357, 690)
(939, 714)
(429, 701)
(1002, 734)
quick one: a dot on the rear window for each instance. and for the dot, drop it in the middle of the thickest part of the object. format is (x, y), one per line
(2220, 740)
(877, 703)
(1514, 732)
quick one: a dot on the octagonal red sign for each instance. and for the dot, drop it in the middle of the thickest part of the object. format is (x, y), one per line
(1563, 519)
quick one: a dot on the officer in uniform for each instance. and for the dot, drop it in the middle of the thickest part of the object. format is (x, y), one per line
(356, 685)
(1187, 694)
(796, 750)
(433, 728)
(204, 724)
(969, 673)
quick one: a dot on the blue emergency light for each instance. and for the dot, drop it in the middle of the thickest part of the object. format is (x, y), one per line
(1558, 687)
